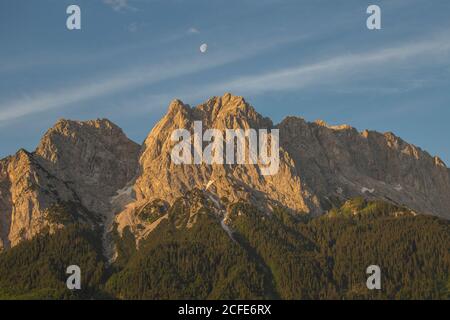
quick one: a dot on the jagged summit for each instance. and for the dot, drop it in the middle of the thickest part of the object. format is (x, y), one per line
(177, 106)
(227, 110)
(72, 127)
(322, 123)
(228, 103)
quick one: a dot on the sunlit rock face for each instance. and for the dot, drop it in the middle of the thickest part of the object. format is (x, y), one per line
(76, 163)
(94, 157)
(319, 164)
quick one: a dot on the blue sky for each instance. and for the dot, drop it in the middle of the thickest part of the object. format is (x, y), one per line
(315, 59)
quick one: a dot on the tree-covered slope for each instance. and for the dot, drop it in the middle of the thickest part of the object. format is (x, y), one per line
(178, 261)
(327, 257)
(277, 255)
(36, 269)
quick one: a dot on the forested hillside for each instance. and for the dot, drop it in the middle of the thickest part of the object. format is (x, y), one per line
(281, 256)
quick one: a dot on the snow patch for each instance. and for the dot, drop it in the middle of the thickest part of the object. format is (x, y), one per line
(365, 189)
(227, 229)
(118, 202)
(209, 184)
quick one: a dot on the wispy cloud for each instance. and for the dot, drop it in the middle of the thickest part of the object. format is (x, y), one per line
(333, 72)
(119, 5)
(340, 68)
(134, 26)
(330, 71)
(110, 84)
(193, 30)
(182, 33)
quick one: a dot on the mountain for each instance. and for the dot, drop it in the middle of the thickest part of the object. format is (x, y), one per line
(320, 166)
(142, 227)
(339, 161)
(77, 164)
(283, 256)
(190, 255)
(94, 165)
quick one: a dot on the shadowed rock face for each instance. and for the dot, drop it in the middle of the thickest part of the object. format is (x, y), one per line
(94, 164)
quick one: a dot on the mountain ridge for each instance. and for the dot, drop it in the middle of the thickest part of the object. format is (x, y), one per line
(94, 164)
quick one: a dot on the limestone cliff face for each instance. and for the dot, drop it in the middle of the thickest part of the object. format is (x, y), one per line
(319, 165)
(26, 191)
(159, 177)
(95, 158)
(76, 163)
(340, 162)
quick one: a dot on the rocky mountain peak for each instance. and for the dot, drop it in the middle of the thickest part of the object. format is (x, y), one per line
(82, 163)
(226, 112)
(94, 156)
(230, 112)
(227, 103)
(92, 163)
(218, 112)
(177, 106)
(318, 163)
(79, 130)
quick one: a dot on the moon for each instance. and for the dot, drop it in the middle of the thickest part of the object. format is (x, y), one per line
(203, 48)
